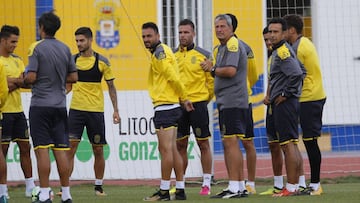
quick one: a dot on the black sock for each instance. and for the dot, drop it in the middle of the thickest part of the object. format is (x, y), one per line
(314, 155)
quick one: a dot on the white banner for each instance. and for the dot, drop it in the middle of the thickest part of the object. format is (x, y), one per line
(132, 151)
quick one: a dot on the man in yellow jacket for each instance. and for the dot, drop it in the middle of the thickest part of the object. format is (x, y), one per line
(167, 93)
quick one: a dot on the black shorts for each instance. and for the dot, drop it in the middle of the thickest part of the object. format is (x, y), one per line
(249, 135)
(311, 118)
(15, 128)
(197, 119)
(94, 123)
(286, 117)
(270, 126)
(232, 122)
(48, 127)
(167, 118)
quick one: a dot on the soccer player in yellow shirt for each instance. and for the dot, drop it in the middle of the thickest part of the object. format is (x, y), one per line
(200, 87)
(167, 93)
(3, 94)
(87, 103)
(312, 100)
(14, 123)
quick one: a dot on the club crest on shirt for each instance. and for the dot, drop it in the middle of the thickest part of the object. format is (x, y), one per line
(193, 59)
(161, 56)
(233, 48)
(250, 54)
(283, 52)
(107, 23)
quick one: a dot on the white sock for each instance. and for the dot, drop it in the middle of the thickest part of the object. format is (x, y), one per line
(250, 183)
(315, 186)
(207, 180)
(165, 185)
(302, 182)
(234, 186)
(242, 186)
(44, 194)
(98, 181)
(291, 187)
(3, 189)
(279, 182)
(29, 182)
(65, 195)
(180, 185)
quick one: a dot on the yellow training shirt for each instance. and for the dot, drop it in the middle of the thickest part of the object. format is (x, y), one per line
(14, 67)
(313, 88)
(164, 83)
(3, 87)
(198, 83)
(87, 91)
(252, 72)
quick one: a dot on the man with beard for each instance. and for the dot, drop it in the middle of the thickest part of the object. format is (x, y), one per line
(167, 93)
(87, 103)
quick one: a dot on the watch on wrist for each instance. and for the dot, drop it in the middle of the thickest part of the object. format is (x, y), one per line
(213, 71)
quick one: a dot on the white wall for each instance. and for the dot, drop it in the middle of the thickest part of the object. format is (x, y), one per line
(336, 34)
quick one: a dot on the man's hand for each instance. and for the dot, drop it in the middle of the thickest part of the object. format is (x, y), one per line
(116, 117)
(279, 100)
(266, 100)
(206, 65)
(188, 106)
(13, 83)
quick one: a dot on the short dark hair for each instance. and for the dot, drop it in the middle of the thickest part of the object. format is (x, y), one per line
(295, 21)
(187, 22)
(50, 22)
(266, 30)
(279, 21)
(150, 25)
(7, 30)
(86, 31)
(234, 21)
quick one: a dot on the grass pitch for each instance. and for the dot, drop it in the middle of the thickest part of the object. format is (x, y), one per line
(334, 192)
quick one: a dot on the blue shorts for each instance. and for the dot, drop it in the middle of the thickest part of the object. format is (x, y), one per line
(286, 118)
(270, 126)
(15, 128)
(233, 121)
(197, 119)
(311, 118)
(249, 135)
(167, 118)
(48, 127)
(94, 123)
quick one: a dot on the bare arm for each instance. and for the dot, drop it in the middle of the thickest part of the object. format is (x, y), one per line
(30, 78)
(267, 95)
(225, 72)
(113, 97)
(72, 77)
(15, 83)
